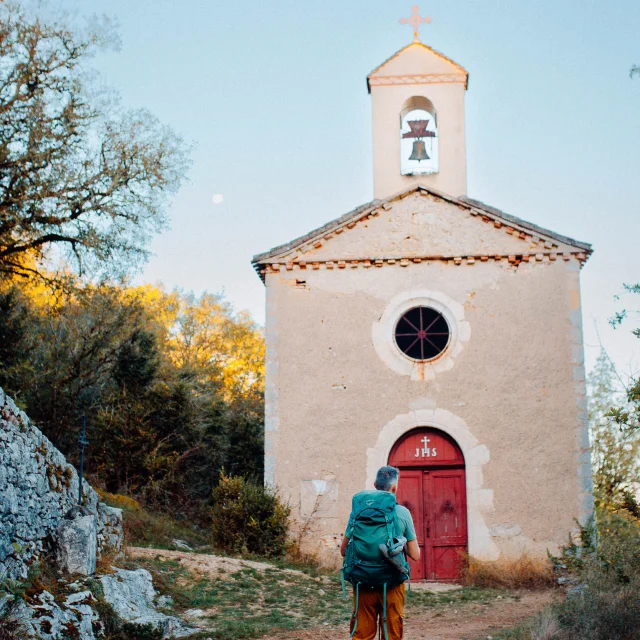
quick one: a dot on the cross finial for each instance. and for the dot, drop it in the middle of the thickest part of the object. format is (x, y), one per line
(415, 21)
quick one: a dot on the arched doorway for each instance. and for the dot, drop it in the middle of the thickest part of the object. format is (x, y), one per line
(432, 486)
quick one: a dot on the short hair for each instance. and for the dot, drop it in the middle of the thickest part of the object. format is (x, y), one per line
(386, 478)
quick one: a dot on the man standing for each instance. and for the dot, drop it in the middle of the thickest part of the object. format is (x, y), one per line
(373, 602)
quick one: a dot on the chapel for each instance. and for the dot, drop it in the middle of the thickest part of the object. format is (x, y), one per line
(432, 332)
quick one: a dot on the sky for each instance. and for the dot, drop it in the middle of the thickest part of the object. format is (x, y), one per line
(273, 96)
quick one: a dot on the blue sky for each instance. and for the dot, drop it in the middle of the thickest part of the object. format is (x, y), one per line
(274, 96)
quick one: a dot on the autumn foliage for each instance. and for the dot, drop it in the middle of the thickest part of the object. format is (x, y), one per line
(171, 384)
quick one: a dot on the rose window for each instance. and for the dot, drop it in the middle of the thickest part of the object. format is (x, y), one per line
(422, 333)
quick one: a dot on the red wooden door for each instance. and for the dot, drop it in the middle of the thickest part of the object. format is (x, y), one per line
(410, 494)
(432, 486)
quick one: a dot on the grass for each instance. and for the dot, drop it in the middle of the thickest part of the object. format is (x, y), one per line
(428, 600)
(145, 529)
(251, 603)
(541, 627)
(522, 631)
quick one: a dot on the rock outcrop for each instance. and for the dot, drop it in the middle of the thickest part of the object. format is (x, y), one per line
(40, 516)
(48, 620)
(133, 598)
(38, 489)
(76, 541)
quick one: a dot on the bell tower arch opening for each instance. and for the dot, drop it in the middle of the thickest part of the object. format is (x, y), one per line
(418, 137)
(433, 487)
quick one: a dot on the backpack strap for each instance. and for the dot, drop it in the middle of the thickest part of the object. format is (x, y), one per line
(355, 611)
(344, 586)
(389, 520)
(384, 611)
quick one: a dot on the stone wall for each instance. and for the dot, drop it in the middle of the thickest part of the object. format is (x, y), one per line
(38, 488)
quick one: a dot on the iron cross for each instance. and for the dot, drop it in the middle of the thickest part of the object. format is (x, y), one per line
(415, 21)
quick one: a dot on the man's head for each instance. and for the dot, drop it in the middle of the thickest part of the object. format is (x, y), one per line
(387, 479)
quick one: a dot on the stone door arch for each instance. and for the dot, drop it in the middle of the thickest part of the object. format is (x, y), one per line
(433, 487)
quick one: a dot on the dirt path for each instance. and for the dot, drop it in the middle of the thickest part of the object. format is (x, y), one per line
(446, 618)
(466, 622)
(208, 564)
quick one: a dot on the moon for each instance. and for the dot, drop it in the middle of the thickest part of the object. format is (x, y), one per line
(217, 198)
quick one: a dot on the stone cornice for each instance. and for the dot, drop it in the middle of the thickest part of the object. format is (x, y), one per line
(366, 263)
(429, 78)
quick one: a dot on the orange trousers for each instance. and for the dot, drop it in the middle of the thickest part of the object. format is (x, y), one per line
(370, 612)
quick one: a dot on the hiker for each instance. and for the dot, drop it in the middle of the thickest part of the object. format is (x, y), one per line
(379, 535)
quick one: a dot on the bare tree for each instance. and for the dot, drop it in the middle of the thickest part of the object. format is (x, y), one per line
(77, 172)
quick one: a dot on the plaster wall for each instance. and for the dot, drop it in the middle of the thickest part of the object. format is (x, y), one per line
(514, 397)
(423, 225)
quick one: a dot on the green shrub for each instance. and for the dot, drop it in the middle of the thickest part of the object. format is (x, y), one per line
(606, 560)
(607, 548)
(249, 518)
(601, 612)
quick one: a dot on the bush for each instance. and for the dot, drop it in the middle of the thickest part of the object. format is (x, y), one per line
(607, 548)
(606, 605)
(249, 518)
(521, 573)
(602, 611)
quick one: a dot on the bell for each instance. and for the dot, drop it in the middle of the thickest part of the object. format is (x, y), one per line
(419, 151)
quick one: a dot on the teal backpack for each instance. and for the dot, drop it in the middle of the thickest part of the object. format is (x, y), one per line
(373, 522)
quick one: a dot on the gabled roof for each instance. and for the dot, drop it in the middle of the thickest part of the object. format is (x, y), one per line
(475, 207)
(507, 217)
(458, 67)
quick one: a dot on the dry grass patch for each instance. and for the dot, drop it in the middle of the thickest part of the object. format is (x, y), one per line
(523, 573)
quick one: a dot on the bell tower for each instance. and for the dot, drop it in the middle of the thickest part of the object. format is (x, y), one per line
(417, 99)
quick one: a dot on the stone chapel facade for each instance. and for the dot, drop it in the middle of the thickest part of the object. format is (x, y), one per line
(433, 332)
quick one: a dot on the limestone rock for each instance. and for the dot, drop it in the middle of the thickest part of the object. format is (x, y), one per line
(76, 542)
(131, 594)
(80, 603)
(181, 544)
(6, 548)
(110, 533)
(46, 620)
(164, 602)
